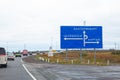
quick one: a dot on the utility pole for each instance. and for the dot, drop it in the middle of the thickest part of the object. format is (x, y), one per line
(51, 43)
(115, 48)
(24, 46)
(84, 22)
(7, 47)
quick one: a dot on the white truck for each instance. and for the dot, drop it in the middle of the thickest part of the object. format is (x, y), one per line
(3, 57)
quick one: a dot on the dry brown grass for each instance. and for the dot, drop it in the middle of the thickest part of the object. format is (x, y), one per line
(101, 57)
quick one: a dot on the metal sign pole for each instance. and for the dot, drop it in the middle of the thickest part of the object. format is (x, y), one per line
(66, 54)
(80, 55)
(94, 56)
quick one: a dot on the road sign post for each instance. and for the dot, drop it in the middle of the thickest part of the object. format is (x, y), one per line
(81, 55)
(66, 54)
(94, 56)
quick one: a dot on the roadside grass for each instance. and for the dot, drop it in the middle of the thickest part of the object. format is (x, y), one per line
(73, 57)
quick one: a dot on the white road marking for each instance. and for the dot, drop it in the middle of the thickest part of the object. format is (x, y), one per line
(28, 71)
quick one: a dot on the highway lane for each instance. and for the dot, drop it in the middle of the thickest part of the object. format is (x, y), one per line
(46, 71)
(14, 71)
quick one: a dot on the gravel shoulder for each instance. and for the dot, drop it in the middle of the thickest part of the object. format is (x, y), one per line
(31, 59)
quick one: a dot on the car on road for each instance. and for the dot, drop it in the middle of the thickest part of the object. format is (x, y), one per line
(18, 55)
(3, 57)
(10, 56)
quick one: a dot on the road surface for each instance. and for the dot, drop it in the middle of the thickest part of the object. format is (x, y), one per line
(46, 71)
(14, 71)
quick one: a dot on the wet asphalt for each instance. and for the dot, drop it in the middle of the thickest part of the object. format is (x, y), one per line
(14, 71)
(46, 71)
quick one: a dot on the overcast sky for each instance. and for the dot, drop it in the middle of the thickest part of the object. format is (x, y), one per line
(36, 23)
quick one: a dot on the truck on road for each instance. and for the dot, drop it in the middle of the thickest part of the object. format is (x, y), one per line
(3, 57)
(25, 52)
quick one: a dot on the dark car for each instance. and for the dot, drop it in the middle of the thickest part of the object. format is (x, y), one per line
(17, 55)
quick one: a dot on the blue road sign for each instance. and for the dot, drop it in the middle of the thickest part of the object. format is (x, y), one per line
(81, 37)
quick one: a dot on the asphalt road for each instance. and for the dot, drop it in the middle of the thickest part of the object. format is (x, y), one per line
(45, 71)
(14, 71)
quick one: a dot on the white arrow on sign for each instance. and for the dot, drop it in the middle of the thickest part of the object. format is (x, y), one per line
(93, 42)
(73, 38)
(85, 37)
